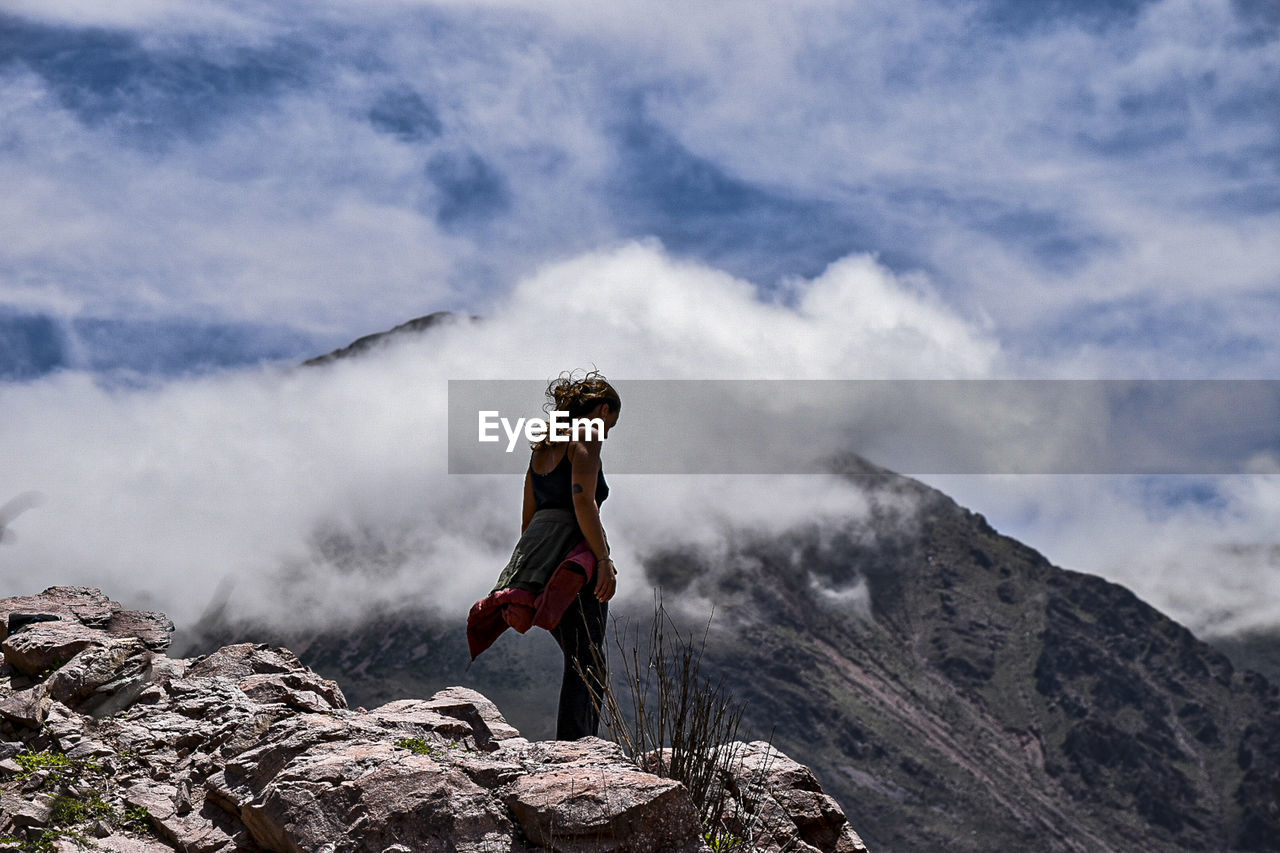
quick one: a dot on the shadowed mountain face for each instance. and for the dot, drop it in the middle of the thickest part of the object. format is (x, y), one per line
(949, 686)
(993, 701)
(1256, 650)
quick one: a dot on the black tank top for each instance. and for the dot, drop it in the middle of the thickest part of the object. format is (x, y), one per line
(555, 488)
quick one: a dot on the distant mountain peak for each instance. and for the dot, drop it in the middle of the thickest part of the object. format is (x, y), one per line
(369, 342)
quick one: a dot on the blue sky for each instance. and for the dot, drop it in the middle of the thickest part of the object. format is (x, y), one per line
(1098, 182)
(1065, 189)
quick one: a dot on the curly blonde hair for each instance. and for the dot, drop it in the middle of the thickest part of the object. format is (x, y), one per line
(577, 396)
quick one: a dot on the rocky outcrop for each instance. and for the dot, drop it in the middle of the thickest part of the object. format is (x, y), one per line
(77, 616)
(110, 744)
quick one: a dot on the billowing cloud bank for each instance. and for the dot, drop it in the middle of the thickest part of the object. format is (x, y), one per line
(809, 190)
(323, 491)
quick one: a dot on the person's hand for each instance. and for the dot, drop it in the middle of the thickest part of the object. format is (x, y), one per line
(606, 579)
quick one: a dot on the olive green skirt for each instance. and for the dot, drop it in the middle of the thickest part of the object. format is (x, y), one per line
(550, 536)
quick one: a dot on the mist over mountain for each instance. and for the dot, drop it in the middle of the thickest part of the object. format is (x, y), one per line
(950, 686)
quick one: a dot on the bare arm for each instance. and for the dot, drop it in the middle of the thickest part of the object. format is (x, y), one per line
(586, 468)
(530, 506)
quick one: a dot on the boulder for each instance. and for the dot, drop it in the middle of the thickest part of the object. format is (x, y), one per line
(244, 659)
(779, 802)
(586, 796)
(417, 715)
(42, 632)
(587, 810)
(42, 646)
(475, 709)
(317, 778)
(155, 630)
(170, 812)
(35, 811)
(27, 707)
(104, 678)
(365, 796)
(270, 675)
(82, 604)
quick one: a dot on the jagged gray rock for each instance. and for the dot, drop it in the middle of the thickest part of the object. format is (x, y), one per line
(44, 645)
(82, 604)
(33, 812)
(586, 795)
(87, 606)
(105, 677)
(26, 708)
(270, 675)
(247, 749)
(790, 807)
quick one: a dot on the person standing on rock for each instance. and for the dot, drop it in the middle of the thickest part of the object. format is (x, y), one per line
(560, 575)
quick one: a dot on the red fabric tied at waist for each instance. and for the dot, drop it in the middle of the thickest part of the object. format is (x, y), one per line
(513, 606)
(522, 608)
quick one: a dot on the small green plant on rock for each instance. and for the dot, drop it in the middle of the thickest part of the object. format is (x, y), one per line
(136, 818)
(454, 744)
(420, 746)
(69, 810)
(722, 842)
(72, 808)
(43, 842)
(32, 763)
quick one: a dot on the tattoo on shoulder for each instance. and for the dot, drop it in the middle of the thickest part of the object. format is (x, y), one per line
(577, 488)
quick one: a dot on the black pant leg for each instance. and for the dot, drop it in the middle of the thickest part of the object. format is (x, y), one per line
(580, 630)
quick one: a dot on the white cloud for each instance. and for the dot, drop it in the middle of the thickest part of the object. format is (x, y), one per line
(166, 15)
(919, 122)
(856, 320)
(1210, 564)
(323, 492)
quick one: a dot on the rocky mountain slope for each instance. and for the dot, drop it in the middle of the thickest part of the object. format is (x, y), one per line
(951, 687)
(1255, 650)
(1048, 708)
(110, 744)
